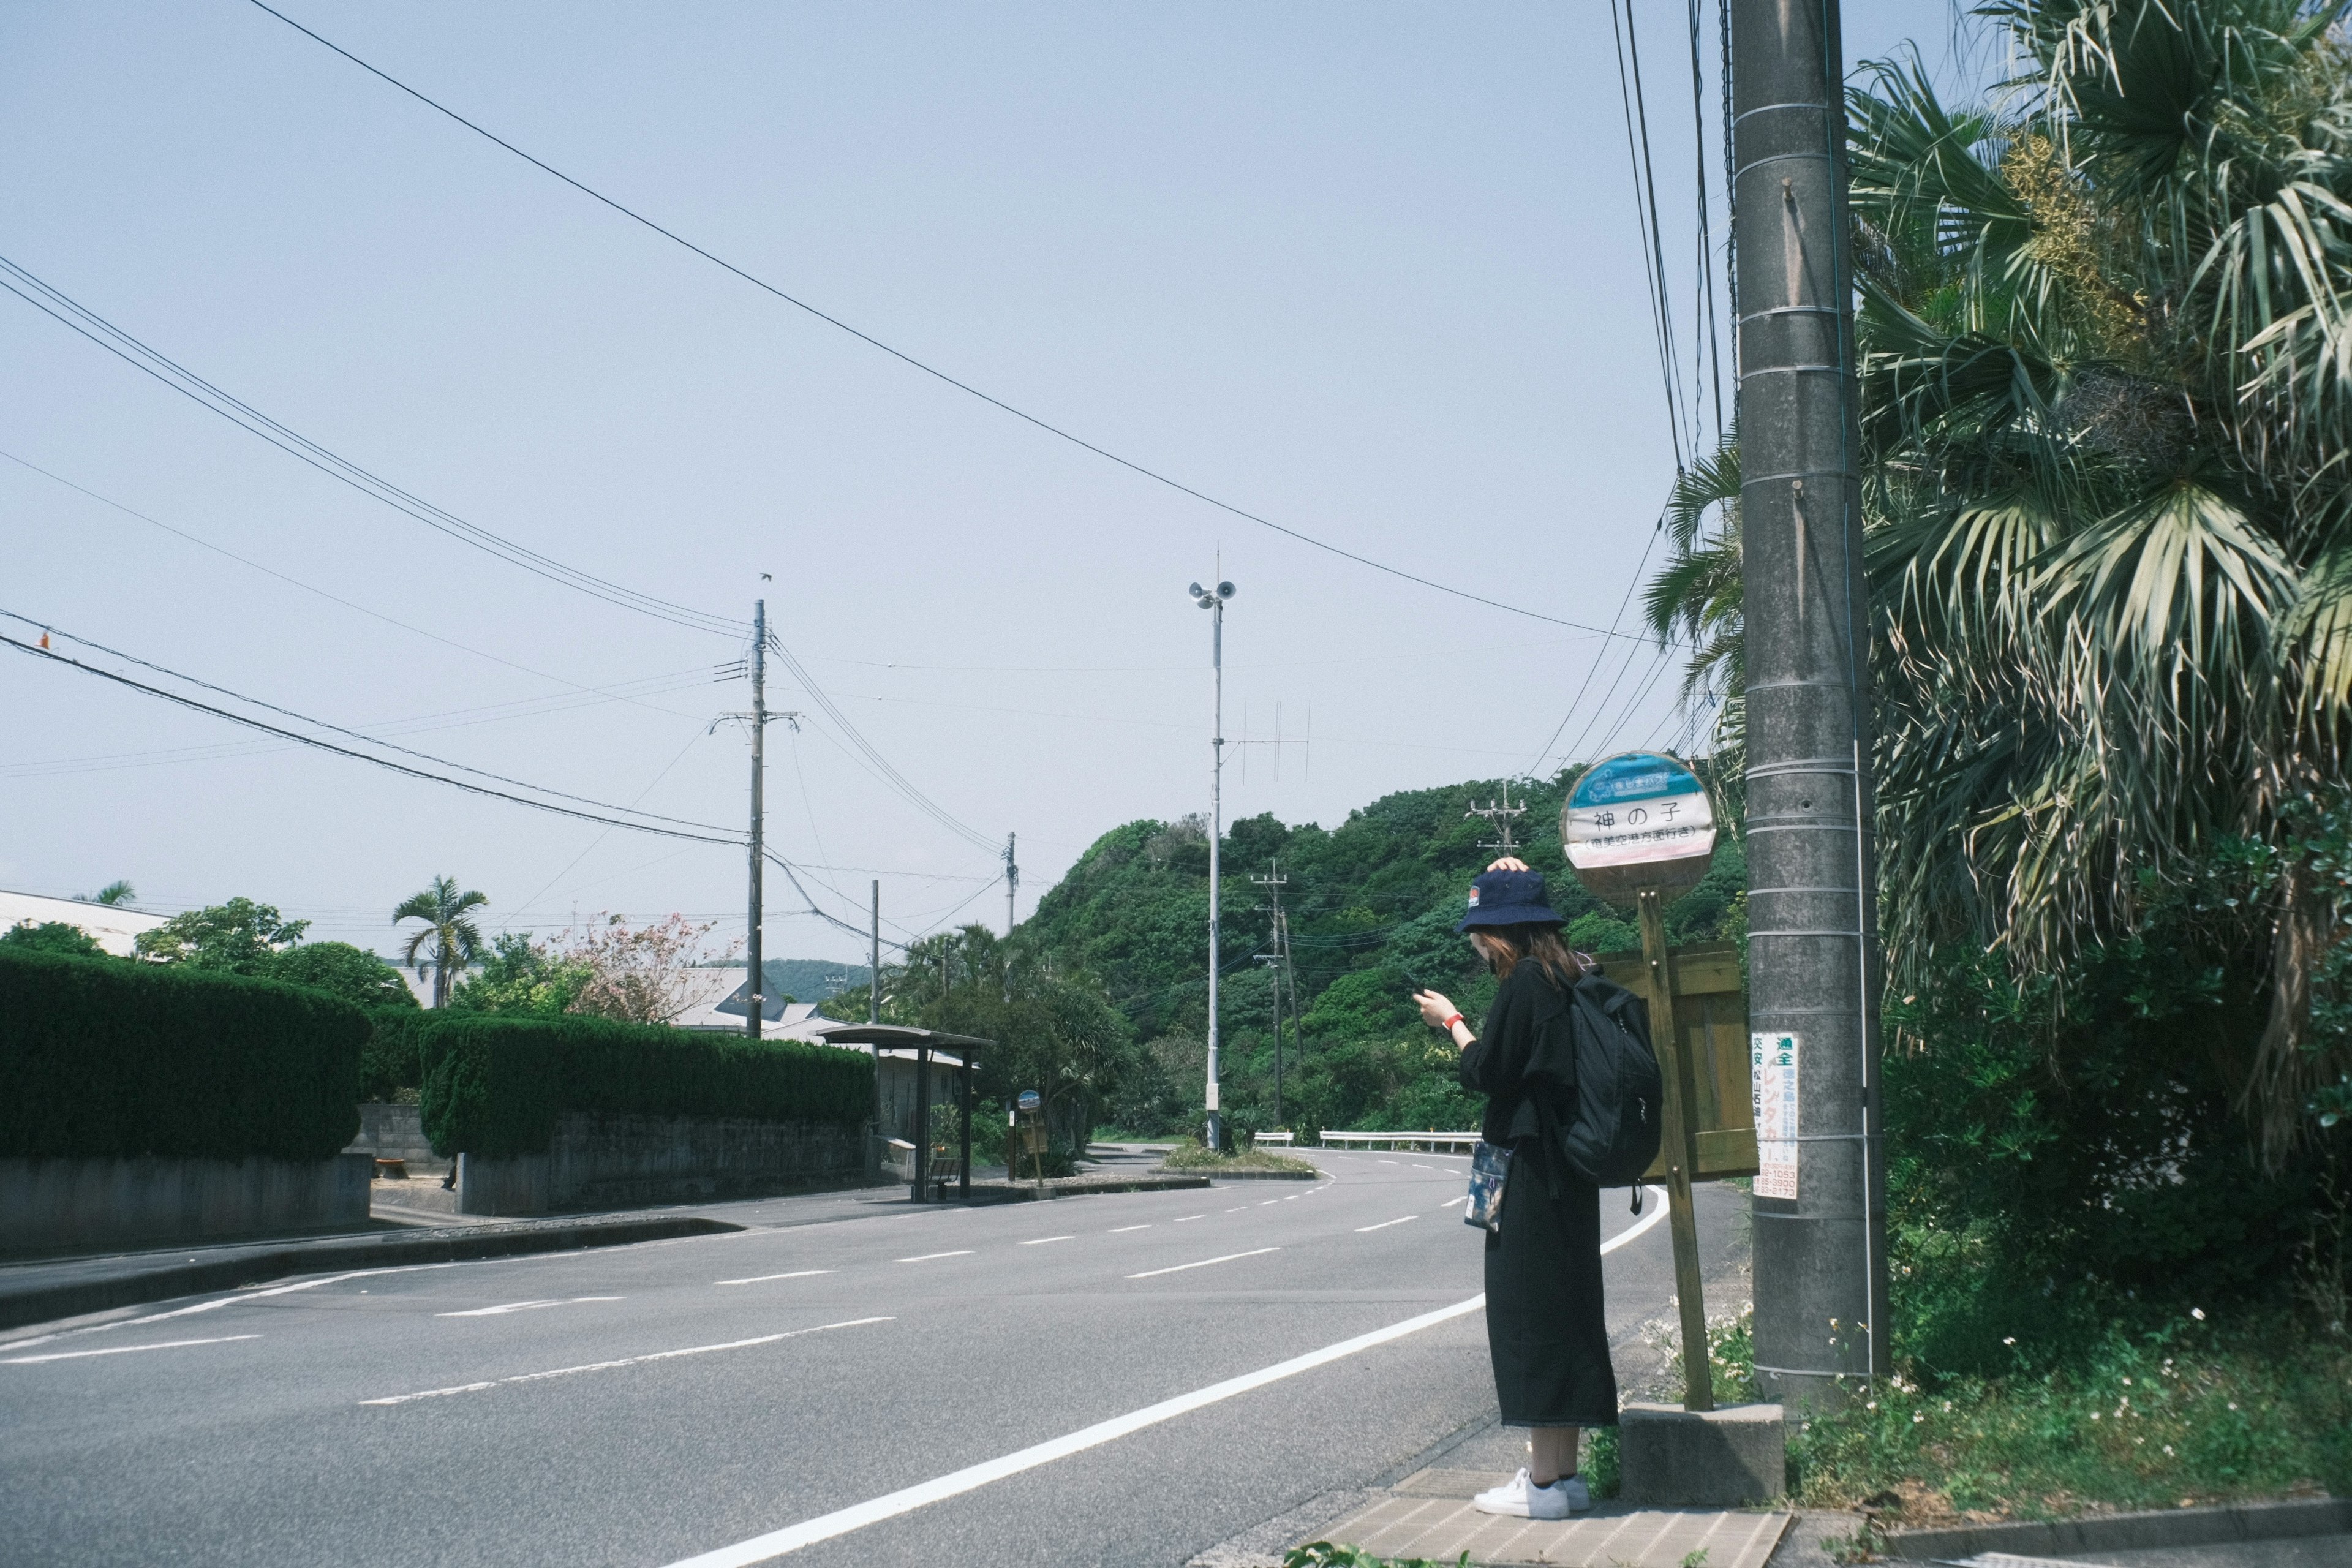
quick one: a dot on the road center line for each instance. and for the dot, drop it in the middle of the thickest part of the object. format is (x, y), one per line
(1191, 1216)
(1042, 1241)
(927, 1256)
(1384, 1224)
(1180, 1268)
(1123, 1229)
(1450, 1202)
(763, 1279)
(824, 1527)
(122, 1350)
(624, 1361)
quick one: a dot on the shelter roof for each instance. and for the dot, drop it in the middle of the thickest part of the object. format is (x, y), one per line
(900, 1035)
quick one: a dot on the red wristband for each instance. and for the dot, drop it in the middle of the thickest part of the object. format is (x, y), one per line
(1448, 1024)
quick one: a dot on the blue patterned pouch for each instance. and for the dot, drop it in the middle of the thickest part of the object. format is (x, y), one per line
(1490, 1170)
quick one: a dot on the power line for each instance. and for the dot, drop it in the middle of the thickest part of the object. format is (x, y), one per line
(905, 358)
(323, 594)
(879, 765)
(59, 306)
(337, 729)
(714, 835)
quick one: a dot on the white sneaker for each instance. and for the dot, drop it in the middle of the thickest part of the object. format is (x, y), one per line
(1565, 1496)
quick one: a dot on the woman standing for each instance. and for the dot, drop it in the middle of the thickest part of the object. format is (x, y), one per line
(1546, 1331)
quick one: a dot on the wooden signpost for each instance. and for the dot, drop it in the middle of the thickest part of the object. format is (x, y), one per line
(1639, 828)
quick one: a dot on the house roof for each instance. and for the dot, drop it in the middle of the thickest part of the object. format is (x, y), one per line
(111, 926)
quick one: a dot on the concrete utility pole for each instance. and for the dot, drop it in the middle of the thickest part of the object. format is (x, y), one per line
(1214, 601)
(1011, 883)
(874, 964)
(1277, 961)
(755, 980)
(1820, 1252)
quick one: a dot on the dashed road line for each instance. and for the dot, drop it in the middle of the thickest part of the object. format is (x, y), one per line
(1042, 1241)
(1385, 1223)
(523, 1307)
(122, 1350)
(1180, 1268)
(624, 1361)
(763, 1279)
(927, 1256)
(1123, 1229)
(1191, 1216)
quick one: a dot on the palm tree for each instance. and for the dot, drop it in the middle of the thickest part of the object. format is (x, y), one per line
(118, 891)
(448, 941)
(2106, 335)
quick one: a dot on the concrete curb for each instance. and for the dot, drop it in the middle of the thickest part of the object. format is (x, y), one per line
(1081, 1187)
(2131, 1532)
(140, 1281)
(1258, 1176)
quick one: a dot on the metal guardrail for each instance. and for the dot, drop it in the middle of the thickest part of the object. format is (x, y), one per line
(1457, 1143)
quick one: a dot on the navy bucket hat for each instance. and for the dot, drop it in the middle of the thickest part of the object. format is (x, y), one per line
(1509, 898)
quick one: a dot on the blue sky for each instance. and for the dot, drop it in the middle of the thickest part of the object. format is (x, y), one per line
(1370, 270)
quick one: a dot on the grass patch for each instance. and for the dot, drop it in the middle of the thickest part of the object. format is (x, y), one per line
(1191, 1156)
(2190, 1411)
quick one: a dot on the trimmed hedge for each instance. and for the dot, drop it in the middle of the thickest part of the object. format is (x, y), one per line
(395, 1058)
(102, 1057)
(494, 1084)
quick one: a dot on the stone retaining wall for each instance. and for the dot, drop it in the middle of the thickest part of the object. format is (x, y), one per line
(49, 1205)
(395, 1132)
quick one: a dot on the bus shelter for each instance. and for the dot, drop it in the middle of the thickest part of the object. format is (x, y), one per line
(897, 1038)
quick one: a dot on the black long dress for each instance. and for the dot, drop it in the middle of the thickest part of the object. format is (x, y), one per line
(1547, 1330)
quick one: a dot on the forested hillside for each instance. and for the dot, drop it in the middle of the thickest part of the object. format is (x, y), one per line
(1372, 905)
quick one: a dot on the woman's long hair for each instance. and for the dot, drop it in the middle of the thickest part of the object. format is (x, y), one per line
(1505, 947)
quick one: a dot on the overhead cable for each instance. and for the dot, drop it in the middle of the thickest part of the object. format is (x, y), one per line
(713, 835)
(62, 308)
(908, 359)
(339, 728)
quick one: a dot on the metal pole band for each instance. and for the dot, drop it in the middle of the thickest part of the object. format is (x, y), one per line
(1802, 765)
(1808, 931)
(1791, 310)
(1778, 685)
(1778, 108)
(1800, 474)
(1845, 893)
(1779, 158)
(1793, 370)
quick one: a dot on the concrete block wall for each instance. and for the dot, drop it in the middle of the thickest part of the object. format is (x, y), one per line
(395, 1132)
(60, 1205)
(600, 1161)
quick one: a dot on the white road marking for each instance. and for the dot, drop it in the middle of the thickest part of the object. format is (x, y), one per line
(1294, 1197)
(1268, 1203)
(1384, 1224)
(1425, 1167)
(826, 1527)
(1042, 1241)
(1193, 1216)
(624, 1361)
(1237, 1208)
(1450, 1202)
(257, 1295)
(122, 1350)
(927, 1256)
(522, 1307)
(1180, 1268)
(1122, 1230)
(1657, 1195)
(763, 1279)
(1386, 1162)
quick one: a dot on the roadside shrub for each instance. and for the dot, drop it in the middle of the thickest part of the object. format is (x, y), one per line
(106, 1058)
(57, 937)
(494, 1084)
(395, 1058)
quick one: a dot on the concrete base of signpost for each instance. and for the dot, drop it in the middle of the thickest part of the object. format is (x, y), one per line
(1732, 1457)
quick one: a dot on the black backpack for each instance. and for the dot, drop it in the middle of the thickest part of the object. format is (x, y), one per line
(1618, 1123)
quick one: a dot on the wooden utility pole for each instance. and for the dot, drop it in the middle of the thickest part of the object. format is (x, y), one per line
(1820, 1205)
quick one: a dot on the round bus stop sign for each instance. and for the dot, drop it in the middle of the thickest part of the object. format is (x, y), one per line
(1028, 1103)
(1640, 819)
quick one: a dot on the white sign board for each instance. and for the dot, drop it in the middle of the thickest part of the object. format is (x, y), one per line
(1637, 809)
(1773, 1058)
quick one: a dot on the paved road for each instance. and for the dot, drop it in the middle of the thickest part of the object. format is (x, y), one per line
(641, 1406)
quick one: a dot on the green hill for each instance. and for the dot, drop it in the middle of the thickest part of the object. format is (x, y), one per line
(1372, 904)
